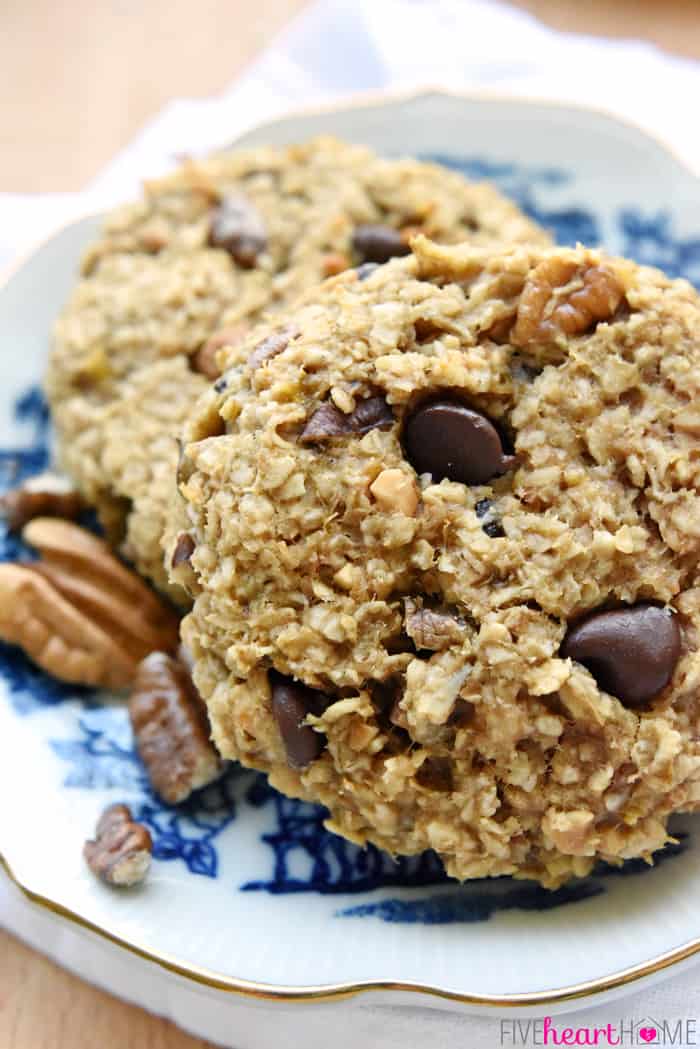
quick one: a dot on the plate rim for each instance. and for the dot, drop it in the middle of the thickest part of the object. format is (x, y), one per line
(334, 992)
(380, 97)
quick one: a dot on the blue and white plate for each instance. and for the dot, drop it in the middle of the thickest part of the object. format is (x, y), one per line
(248, 892)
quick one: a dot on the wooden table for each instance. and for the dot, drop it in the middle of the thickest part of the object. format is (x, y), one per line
(79, 78)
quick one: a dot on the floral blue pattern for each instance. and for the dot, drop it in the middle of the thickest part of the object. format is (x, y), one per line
(529, 187)
(304, 856)
(103, 758)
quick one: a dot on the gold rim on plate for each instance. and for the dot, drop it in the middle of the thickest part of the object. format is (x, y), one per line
(338, 992)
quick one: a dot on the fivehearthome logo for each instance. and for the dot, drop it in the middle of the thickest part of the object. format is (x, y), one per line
(620, 1032)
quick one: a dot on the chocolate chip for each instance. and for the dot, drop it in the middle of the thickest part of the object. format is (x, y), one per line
(493, 529)
(379, 243)
(271, 346)
(631, 652)
(397, 715)
(291, 703)
(328, 421)
(237, 227)
(435, 774)
(482, 507)
(366, 270)
(447, 439)
(462, 713)
(184, 548)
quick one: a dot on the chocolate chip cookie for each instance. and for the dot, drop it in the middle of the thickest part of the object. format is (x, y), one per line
(442, 528)
(205, 252)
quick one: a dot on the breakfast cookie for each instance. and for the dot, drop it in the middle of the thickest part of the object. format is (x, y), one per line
(442, 534)
(213, 247)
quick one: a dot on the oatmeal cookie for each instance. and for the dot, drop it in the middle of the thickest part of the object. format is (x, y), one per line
(443, 547)
(207, 251)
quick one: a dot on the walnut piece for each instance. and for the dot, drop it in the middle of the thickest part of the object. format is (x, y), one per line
(78, 612)
(429, 628)
(171, 729)
(394, 490)
(45, 495)
(561, 298)
(120, 853)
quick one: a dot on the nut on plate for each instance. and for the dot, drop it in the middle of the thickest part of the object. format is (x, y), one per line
(45, 495)
(120, 853)
(78, 612)
(171, 729)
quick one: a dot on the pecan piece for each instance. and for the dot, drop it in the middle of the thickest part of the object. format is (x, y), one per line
(271, 346)
(328, 421)
(205, 359)
(46, 495)
(120, 853)
(371, 413)
(171, 729)
(430, 628)
(562, 298)
(237, 227)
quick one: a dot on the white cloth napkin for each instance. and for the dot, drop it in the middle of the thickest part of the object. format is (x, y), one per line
(340, 46)
(336, 47)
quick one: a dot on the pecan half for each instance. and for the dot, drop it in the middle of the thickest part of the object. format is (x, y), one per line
(57, 636)
(431, 629)
(562, 298)
(83, 568)
(46, 495)
(120, 853)
(78, 612)
(327, 421)
(171, 729)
